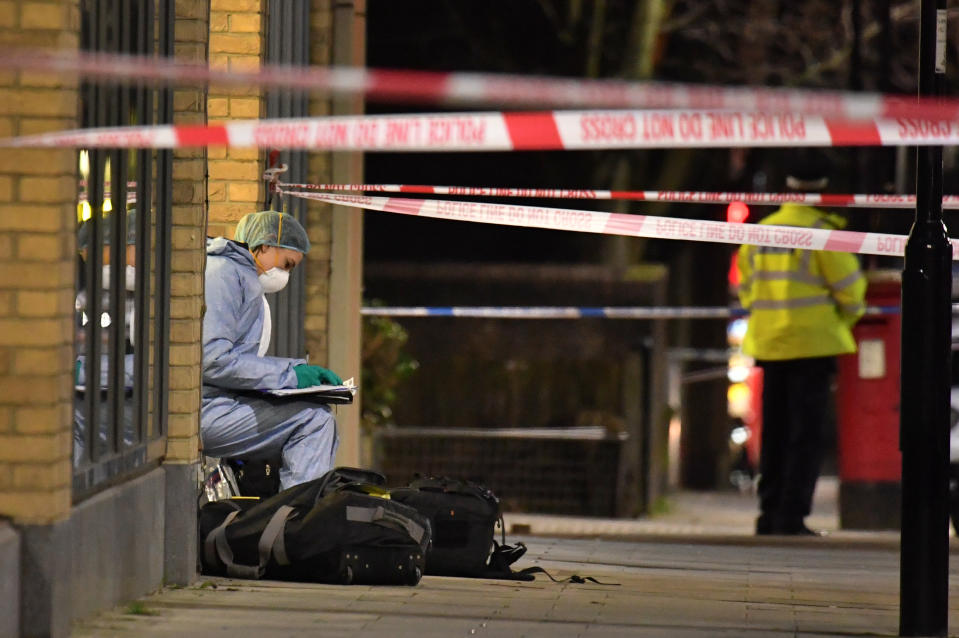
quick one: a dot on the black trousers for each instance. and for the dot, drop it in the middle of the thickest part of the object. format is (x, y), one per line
(796, 403)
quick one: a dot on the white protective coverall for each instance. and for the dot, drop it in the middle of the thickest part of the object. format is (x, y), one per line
(236, 419)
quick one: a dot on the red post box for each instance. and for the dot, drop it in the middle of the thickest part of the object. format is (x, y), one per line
(867, 410)
(754, 417)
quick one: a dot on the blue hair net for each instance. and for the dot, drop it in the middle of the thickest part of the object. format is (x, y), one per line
(83, 233)
(272, 228)
(240, 233)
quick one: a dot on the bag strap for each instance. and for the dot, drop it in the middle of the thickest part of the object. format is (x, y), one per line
(380, 516)
(456, 486)
(572, 579)
(272, 539)
(505, 555)
(209, 543)
(271, 542)
(500, 559)
(217, 546)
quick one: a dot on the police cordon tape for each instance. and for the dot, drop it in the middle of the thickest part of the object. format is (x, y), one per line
(683, 197)
(482, 88)
(587, 221)
(131, 197)
(577, 312)
(515, 131)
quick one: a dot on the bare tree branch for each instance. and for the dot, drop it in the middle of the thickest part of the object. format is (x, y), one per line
(594, 45)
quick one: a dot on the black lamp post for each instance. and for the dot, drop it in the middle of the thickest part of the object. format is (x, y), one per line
(925, 380)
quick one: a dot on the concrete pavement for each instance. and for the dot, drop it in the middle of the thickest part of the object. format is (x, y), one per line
(689, 578)
(724, 516)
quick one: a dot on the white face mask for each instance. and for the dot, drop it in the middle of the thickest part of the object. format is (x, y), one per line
(274, 279)
(130, 275)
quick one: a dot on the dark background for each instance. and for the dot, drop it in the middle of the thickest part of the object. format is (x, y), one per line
(811, 44)
(846, 44)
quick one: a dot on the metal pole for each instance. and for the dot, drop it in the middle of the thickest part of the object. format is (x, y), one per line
(925, 380)
(166, 14)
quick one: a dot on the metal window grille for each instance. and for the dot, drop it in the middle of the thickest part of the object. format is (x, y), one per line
(288, 42)
(120, 411)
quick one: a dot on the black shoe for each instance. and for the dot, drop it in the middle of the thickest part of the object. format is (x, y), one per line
(765, 526)
(802, 530)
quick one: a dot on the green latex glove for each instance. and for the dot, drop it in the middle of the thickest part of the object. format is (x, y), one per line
(328, 377)
(307, 376)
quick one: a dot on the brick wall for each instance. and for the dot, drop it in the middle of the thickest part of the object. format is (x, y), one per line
(37, 248)
(188, 245)
(236, 42)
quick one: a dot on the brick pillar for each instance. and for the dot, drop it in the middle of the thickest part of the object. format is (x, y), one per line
(236, 42)
(38, 191)
(346, 231)
(187, 263)
(37, 257)
(188, 246)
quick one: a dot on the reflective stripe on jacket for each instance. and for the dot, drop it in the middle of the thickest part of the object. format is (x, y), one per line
(801, 303)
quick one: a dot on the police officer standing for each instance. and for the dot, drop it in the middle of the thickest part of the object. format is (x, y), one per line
(802, 306)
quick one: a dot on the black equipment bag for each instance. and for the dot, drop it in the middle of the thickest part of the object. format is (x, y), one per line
(256, 477)
(342, 476)
(463, 516)
(261, 477)
(326, 530)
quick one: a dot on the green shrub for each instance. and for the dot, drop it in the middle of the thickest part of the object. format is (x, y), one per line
(385, 366)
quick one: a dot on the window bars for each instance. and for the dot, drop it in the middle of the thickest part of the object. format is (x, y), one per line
(122, 330)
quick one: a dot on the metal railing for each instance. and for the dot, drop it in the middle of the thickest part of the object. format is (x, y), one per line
(120, 408)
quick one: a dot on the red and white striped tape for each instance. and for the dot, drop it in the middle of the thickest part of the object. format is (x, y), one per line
(684, 197)
(496, 131)
(476, 88)
(131, 197)
(586, 221)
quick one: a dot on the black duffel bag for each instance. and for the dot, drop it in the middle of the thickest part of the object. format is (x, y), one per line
(463, 516)
(327, 530)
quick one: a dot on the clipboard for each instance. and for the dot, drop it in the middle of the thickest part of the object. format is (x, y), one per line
(341, 394)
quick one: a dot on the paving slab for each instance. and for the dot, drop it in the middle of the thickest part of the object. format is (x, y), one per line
(697, 573)
(672, 589)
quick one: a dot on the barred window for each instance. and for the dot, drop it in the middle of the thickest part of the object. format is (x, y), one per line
(123, 257)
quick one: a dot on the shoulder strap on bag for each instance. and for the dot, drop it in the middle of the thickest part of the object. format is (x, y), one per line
(271, 543)
(272, 539)
(217, 547)
(209, 543)
(449, 485)
(381, 516)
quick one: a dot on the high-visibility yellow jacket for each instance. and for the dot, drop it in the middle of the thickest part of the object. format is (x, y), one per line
(801, 303)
